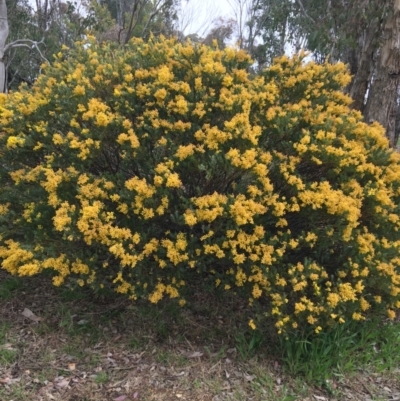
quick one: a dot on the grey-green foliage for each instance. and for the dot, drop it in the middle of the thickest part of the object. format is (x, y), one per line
(141, 18)
(326, 27)
(273, 23)
(221, 32)
(37, 34)
(20, 22)
(360, 33)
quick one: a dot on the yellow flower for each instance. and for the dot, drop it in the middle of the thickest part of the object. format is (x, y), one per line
(184, 151)
(160, 94)
(252, 324)
(164, 74)
(173, 181)
(333, 299)
(347, 293)
(364, 305)
(79, 90)
(13, 142)
(299, 307)
(103, 119)
(311, 319)
(256, 291)
(190, 218)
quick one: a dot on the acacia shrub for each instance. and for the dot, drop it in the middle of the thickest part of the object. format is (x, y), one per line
(145, 167)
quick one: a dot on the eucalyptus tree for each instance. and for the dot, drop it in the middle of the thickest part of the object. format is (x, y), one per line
(140, 18)
(364, 34)
(3, 38)
(38, 30)
(361, 33)
(221, 32)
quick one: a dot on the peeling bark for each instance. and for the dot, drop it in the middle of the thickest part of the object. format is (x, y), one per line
(362, 64)
(382, 97)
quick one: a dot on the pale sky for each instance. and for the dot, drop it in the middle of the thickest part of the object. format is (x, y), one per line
(198, 15)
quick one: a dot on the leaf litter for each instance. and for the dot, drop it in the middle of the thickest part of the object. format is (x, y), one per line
(69, 351)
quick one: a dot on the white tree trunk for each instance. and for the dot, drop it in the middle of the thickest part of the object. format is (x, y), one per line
(3, 39)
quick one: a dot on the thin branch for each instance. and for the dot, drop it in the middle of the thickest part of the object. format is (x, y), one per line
(13, 78)
(17, 42)
(156, 9)
(138, 14)
(30, 44)
(134, 11)
(305, 12)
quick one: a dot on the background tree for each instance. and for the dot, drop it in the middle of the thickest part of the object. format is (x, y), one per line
(3, 38)
(221, 32)
(362, 33)
(262, 27)
(36, 32)
(139, 18)
(366, 38)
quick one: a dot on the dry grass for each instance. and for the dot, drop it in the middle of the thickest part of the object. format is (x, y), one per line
(111, 349)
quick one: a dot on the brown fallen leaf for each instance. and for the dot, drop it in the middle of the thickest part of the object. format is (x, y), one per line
(71, 366)
(9, 380)
(248, 378)
(179, 374)
(62, 383)
(30, 315)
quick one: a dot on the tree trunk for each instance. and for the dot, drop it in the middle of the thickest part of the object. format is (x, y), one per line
(397, 127)
(361, 65)
(3, 39)
(382, 97)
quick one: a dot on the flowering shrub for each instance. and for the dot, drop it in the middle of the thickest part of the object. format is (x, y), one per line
(146, 166)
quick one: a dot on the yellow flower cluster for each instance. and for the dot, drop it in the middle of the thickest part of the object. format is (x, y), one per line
(170, 160)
